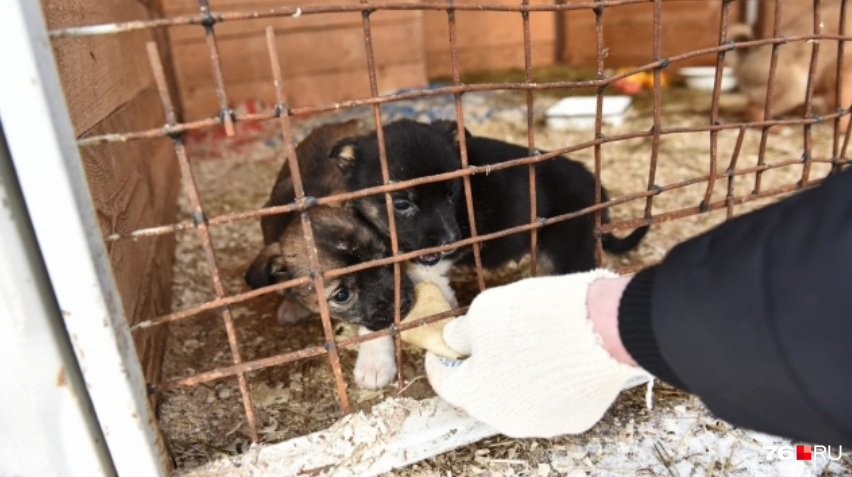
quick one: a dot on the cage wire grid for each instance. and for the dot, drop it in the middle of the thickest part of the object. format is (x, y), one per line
(282, 113)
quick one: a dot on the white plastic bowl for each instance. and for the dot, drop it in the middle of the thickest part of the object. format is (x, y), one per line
(704, 78)
(578, 112)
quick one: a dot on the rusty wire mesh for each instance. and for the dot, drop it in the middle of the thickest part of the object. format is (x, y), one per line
(282, 112)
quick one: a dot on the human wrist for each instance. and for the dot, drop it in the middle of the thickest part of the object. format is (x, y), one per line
(635, 327)
(602, 303)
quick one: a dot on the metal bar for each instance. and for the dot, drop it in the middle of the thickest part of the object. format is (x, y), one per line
(732, 166)
(720, 204)
(225, 113)
(206, 240)
(458, 89)
(809, 94)
(305, 353)
(462, 137)
(219, 17)
(601, 54)
(841, 48)
(219, 302)
(560, 33)
(714, 105)
(307, 230)
(470, 170)
(525, 17)
(383, 163)
(657, 111)
(50, 171)
(770, 89)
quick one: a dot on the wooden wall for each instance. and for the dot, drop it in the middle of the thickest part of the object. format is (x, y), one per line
(488, 40)
(324, 60)
(628, 32)
(323, 57)
(109, 88)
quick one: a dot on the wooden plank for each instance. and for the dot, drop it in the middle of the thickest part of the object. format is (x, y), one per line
(487, 28)
(341, 48)
(629, 33)
(308, 90)
(98, 73)
(191, 6)
(510, 56)
(135, 185)
(108, 87)
(488, 40)
(322, 62)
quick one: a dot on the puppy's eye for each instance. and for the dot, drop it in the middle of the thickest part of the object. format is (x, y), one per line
(402, 205)
(341, 296)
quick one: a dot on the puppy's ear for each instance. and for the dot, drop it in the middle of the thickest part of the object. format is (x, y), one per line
(345, 154)
(450, 128)
(268, 268)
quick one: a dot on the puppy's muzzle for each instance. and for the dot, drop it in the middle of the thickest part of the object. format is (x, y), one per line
(383, 317)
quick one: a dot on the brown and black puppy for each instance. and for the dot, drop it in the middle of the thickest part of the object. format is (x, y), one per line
(425, 215)
(751, 67)
(320, 176)
(342, 239)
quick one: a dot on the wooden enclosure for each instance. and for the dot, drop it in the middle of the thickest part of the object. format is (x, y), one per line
(109, 87)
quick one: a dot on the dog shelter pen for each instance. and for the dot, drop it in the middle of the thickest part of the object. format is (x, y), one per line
(46, 154)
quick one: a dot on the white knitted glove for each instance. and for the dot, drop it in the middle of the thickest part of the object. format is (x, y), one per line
(536, 367)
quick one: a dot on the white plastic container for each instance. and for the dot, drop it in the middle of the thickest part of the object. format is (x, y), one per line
(578, 112)
(704, 78)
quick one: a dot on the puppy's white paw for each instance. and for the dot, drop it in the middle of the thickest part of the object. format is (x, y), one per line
(290, 312)
(375, 367)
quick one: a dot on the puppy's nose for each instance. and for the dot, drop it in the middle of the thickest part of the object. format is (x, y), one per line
(384, 310)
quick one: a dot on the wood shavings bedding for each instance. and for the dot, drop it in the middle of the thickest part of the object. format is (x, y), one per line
(678, 437)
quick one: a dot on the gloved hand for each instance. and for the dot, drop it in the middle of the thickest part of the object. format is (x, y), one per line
(536, 367)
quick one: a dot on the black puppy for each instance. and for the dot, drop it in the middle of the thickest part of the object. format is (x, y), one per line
(425, 215)
(342, 239)
(501, 200)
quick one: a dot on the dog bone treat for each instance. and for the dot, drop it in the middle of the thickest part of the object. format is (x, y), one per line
(428, 300)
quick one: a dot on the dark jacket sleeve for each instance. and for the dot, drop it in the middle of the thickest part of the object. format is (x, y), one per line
(755, 316)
